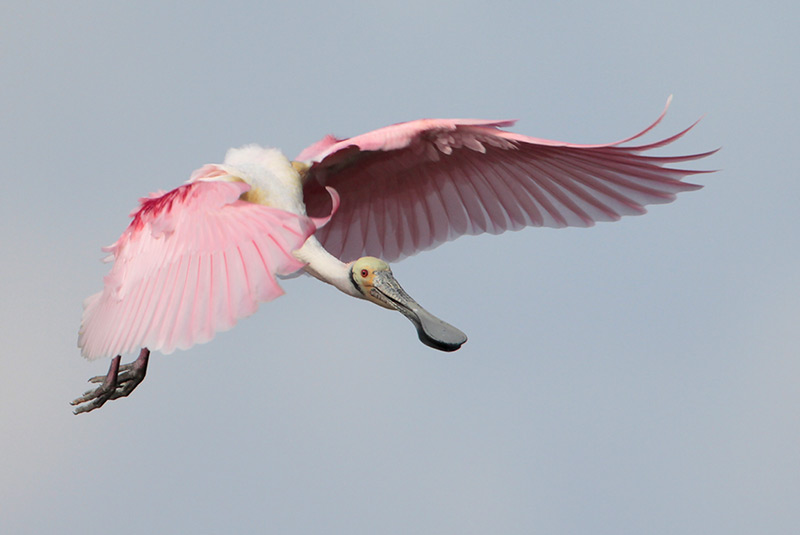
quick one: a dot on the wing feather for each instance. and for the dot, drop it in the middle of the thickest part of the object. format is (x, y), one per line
(412, 186)
(522, 191)
(192, 263)
(476, 215)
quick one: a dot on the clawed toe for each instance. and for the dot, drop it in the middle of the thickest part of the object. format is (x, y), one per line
(119, 382)
(92, 399)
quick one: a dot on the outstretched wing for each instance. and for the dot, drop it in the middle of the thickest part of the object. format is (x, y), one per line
(412, 186)
(192, 262)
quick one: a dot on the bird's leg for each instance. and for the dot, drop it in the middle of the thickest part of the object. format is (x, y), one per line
(117, 383)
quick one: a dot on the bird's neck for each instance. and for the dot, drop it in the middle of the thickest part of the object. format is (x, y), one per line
(326, 267)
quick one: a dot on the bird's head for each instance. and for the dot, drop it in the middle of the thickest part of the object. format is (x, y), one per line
(374, 281)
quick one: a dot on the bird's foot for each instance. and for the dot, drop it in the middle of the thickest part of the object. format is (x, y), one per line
(117, 383)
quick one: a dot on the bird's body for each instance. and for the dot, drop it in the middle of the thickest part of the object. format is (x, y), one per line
(197, 259)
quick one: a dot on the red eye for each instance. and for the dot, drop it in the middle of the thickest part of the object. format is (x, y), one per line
(364, 273)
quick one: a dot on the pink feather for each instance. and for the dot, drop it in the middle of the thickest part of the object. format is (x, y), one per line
(412, 186)
(191, 263)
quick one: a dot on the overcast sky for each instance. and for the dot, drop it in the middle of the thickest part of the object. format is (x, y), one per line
(635, 377)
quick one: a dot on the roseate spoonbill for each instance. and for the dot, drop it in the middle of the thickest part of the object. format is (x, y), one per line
(196, 259)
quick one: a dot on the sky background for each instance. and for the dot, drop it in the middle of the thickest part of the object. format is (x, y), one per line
(635, 377)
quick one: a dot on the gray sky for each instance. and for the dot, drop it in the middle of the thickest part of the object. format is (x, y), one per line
(636, 377)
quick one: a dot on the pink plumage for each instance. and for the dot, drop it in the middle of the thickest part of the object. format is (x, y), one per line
(191, 263)
(195, 260)
(412, 186)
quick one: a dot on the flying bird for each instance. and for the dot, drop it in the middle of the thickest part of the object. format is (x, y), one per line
(196, 259)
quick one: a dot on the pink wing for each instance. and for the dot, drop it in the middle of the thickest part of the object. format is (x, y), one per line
(192, 262)
(412, 186)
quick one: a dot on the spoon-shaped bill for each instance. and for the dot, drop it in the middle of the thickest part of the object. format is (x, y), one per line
(432, 331)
